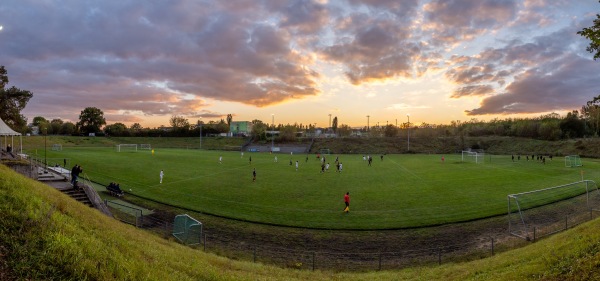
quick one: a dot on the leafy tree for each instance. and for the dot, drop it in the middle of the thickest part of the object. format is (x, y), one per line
(259, 130)
(68, 128)
(136, 127)
(117, 129)
(591, 112)
(572, 126)
(229, 120)
(38, 120)
(344, 130)
(334, 124)
(91, 120)
(56, 125)
(3, 77)
(390, 131)
(45, 128)
(222, 127)
(179, 122)
(287, 133)
(12, 101)
(593, 34)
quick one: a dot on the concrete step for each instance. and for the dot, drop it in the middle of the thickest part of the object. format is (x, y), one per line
(79, 195)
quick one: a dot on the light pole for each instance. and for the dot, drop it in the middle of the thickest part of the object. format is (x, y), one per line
(45, 158)
(368, 121)
(408, 129)
(272, 132)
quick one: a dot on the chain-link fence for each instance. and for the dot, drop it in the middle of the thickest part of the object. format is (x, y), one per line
(303, 257)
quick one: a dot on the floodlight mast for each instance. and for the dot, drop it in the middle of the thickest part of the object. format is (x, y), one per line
(272, 131)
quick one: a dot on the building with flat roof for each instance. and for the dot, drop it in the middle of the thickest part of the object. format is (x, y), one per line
(240, 128)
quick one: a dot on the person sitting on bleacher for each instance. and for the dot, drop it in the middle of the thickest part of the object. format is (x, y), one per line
(115, 189)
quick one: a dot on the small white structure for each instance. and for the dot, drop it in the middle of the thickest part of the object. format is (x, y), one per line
(6, 131)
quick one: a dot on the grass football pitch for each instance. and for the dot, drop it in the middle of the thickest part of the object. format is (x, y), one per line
(399, 191)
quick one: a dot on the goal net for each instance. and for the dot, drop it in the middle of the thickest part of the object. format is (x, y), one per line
(472, 156)
(145, 146)
(127, 147)
(324, 151)
(573, 161)
(545, 211)
(57, 147)
(187, 229)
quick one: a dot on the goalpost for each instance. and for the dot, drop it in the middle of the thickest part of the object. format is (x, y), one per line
(127, 147)
(187, 229)
(573, 161)
(475, 156)
(57, 147)
(324, 151)
(541, 212)
(145, 146)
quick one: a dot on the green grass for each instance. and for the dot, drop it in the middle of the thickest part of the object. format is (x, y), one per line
(46, 235)
(399, 192)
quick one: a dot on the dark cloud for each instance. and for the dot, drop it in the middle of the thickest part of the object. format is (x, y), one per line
(473, 90)
(451, 21)
(374, 49)
(304, 16)
(83, 53)
(566, 84)
(538, 76)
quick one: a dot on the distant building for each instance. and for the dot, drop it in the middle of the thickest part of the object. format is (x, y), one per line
(240, 128)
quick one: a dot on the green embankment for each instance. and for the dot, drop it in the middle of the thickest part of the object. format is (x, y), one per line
(46, 235)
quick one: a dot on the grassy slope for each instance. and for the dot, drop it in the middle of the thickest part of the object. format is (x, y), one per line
(46, 235)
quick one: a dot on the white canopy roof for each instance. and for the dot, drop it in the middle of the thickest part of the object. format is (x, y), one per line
(5, 130)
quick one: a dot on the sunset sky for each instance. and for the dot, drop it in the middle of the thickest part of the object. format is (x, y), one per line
(145, 61)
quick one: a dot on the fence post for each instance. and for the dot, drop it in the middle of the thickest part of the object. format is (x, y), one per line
(492, 246)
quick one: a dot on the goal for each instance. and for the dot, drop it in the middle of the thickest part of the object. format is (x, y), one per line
(145, 146)
(57, 147)
(573, 161)
(472, 156)
(187, 229)
(127, 147)
(324, 151)
(541, 212)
